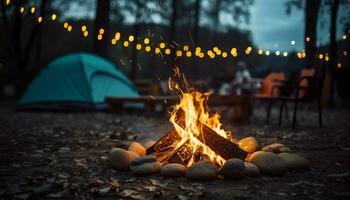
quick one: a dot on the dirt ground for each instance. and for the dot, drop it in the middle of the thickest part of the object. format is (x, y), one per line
(50, 155)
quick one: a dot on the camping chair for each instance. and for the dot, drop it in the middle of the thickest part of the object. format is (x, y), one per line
(308, 89)
(271, 89)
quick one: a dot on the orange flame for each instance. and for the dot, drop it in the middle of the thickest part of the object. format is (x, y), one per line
(194, 104)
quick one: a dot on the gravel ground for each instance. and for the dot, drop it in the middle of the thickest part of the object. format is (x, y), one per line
(50, 155)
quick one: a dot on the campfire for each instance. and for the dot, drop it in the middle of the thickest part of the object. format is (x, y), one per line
(196, 135)
(199, 148)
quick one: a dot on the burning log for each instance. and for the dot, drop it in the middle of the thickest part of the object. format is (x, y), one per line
(182, 154)
(220, 145)
(165, 145)
(164, 148)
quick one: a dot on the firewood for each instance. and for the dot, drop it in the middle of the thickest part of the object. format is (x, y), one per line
(182, 154)
(220, 145)
(165, 143)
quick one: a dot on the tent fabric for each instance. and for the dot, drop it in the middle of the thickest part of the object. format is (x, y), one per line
(77, 79)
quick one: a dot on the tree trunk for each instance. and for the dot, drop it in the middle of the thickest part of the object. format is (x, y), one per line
(333, 47)
(196, 22)
(16, 35)
(311, 15)
(173, 21)
(216, 16)
(100, 47)
(193, 68)
(33, 36)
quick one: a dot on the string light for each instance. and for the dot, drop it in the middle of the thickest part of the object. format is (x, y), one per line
(178, 53)
(138, 46)
(162, 45)
(32, 10)
(8, 2)
(40, 19)
(339, 65)
(185, 48)
(167, 51)
(299, 55)
(53, 17)
(117, 36)
(126, 43)
(157, 50)
(147, 48)
(69, 28)
(248, 50)
(320, 56)
(83, 28)
(303, 54)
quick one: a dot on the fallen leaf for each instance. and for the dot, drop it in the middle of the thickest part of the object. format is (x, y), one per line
(182, 197)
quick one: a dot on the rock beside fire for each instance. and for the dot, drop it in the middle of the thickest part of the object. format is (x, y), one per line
(202, 171)
(137, 148)
(251, 169)
(249, 144)
(120, 159)
(295, 161)
(233, 169)
(173, 170)
(268, 163)
(145, 165)
(276, 148)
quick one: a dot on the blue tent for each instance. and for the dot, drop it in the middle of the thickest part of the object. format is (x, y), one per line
(77, 81)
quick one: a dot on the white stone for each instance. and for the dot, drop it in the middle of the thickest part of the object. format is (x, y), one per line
(137, 148)
(251, 169)
(173, 170)
(202, 171)
(120, 159)
(295, 161)
(233, 169)
(249, 144)
(268, 163)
